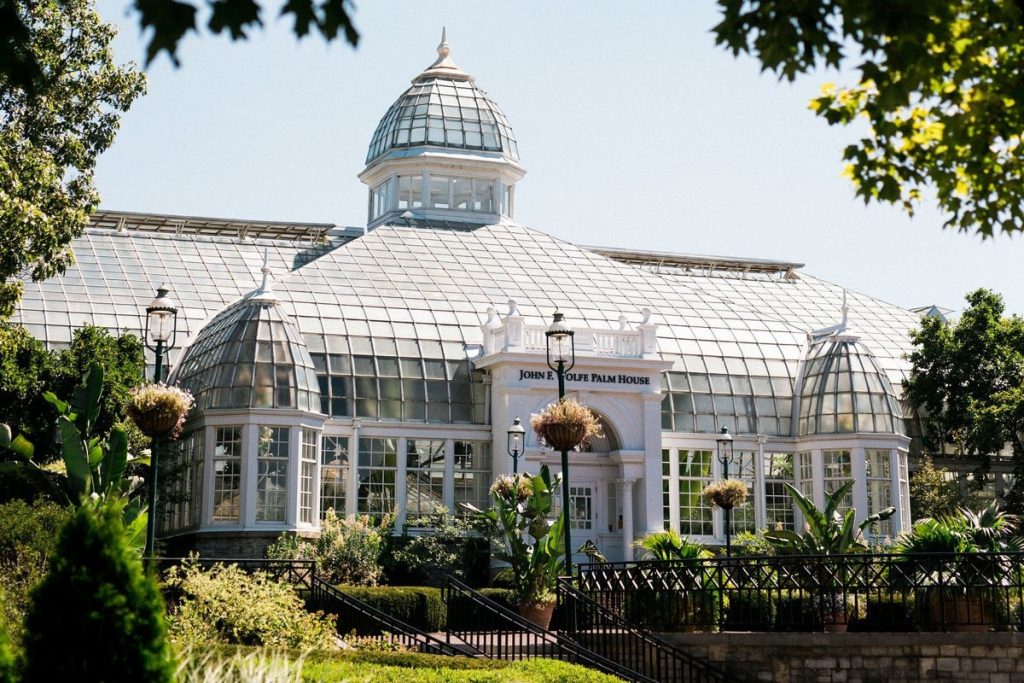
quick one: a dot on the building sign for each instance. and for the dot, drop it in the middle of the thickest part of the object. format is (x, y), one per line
(587, 377)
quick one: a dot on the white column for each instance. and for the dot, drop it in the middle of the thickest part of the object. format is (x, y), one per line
(401, 459)
(352, 486)
(625, 489)
(760, 512)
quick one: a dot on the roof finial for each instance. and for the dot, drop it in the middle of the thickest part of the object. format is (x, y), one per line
(443, 50)
(264, 286)
(846, 313)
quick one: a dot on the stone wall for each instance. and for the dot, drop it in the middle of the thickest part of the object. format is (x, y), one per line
(861, 657)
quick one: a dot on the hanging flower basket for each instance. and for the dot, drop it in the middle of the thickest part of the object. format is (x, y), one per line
(565, 424)
(725, 494)
(159, 409)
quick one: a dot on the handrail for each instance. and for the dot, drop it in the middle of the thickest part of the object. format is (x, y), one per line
(391, 627)
(598, 628)
(517, 638)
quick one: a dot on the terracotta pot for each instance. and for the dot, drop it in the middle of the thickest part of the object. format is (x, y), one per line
(539, 614)
(564, 435)
(155, 422)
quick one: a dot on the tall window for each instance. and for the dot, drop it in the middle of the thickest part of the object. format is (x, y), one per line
(410, 192)
(227, 474)
(307, 473)
(694, 474)
(378, 468)
(424, 478)
(879, 485)
(837, 470)
(333, 474)
(778, 507)
(742, 468)
(271, 474)
(472, 475)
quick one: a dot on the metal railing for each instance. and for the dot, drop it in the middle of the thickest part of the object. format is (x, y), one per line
(499, 633)
(867, 592)
(369, 622)
(598, 629)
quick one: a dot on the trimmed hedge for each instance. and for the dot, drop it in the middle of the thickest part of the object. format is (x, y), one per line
(418, 606)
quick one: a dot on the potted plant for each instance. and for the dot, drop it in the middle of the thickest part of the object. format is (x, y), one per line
(956, 563)
(533, 545)
(565, 424)
(725, 494)
(158, 409)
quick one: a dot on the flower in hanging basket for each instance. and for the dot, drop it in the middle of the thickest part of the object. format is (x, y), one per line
(565, 424)
(159, 409)
(725, 494)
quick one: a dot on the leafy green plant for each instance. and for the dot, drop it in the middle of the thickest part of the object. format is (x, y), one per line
(419, 606)
(522, 504)
(348, 551)
(28, 538)
(442, 545)
(95, 467)
(97, 616)
(224, 604)
(828, 531)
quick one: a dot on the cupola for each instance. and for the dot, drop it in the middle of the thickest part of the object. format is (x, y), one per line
(443, 155)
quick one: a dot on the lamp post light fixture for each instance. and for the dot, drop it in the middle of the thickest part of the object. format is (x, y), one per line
(161, 333)
(725, 456)
(516, 436)
(561, 357)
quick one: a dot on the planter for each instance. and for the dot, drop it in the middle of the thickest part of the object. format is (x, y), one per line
(564, 435)
(971, 611)
(156, 423)
(537, 613)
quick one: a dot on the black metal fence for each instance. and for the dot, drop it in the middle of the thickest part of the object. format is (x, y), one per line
(862, 592)
(598, 629)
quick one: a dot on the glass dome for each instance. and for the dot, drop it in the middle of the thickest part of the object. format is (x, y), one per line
(844, 391)
(444, 108)
(250, 356)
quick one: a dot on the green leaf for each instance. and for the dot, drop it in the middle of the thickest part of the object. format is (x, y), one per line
(75, 458)
(59, 405)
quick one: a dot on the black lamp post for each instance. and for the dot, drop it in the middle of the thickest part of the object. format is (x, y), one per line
(516, 434)
(161, 332)
(561, 356)
(725, 456)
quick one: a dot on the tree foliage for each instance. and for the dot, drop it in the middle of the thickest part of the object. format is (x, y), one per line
(97, 616)
(28, 371)
(56, 118)
(940, 86)
(967, 382)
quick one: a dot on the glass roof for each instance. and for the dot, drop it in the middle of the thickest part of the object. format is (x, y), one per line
(249, 356)
(444, 112)
(844, 391)
(391, 319)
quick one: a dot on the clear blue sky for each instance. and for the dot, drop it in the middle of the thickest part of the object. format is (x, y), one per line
(636, 131)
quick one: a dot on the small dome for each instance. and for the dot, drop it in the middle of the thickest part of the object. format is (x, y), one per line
(844, 391)
(250, 355)
(444, 108)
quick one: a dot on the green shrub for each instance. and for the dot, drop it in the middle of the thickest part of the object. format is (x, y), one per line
(348, 551)
(462, 614)
(97, 616)
(445, 545)
(750, 610)
(224, 604)
(419, 606)
(887, 614)
(28, 537)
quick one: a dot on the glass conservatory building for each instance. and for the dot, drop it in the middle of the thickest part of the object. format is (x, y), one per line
(377, 370)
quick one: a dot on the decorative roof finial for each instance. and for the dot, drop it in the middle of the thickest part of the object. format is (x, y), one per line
(443, 50)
